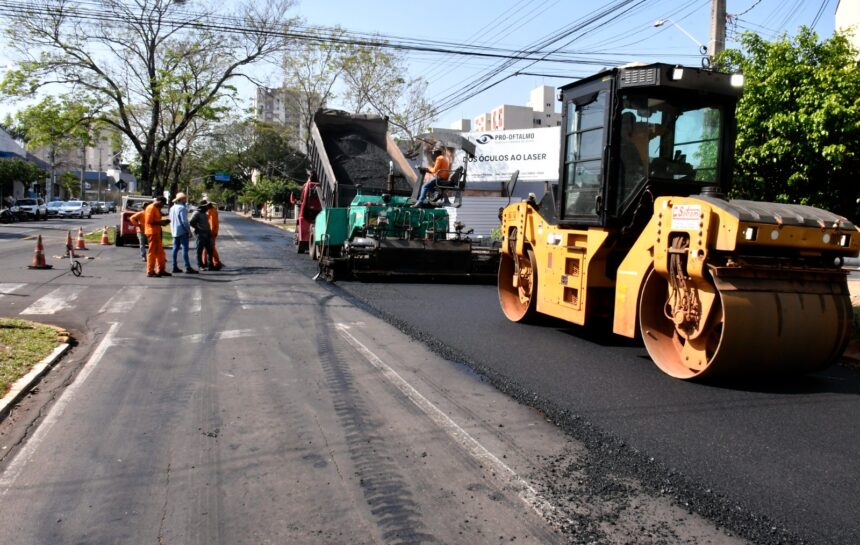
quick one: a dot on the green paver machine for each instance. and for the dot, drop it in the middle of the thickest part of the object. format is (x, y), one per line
(368, 226)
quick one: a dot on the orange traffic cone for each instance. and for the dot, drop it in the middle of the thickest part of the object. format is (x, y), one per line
(105, 241)
(39, 256)
(70, 248)
(80, 244)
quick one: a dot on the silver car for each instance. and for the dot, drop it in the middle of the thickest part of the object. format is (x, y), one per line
(54, 208)
(76, 208)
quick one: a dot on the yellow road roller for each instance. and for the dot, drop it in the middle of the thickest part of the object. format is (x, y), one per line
(638, 233)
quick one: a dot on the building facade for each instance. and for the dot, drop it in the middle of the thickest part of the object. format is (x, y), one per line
(848, 19)
(279, 106)
(539, 112)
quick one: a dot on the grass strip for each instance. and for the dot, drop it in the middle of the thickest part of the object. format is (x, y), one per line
(96, 236)
(23, 344)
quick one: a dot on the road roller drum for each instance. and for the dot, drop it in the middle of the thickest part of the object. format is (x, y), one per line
(758, 326)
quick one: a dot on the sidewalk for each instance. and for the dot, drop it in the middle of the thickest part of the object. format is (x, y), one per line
(289, 225)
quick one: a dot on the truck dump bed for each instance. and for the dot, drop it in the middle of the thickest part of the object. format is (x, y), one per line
(348, 150)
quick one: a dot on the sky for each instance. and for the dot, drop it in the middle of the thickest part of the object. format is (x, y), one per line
(626, 35)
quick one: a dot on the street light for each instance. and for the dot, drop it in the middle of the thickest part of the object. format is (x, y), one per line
(110, 158)
(703, 49)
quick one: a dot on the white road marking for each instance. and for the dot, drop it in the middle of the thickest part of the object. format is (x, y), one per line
(59, 299)
(9, 288)
(232, 235)
(24, 456)
(524, 490)
(196, 306)
(195, 337)
(244, 299)
(123, 300)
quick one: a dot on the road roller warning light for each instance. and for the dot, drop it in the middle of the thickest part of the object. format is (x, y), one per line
(639, 233)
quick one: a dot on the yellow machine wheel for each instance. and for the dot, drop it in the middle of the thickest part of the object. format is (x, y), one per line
(517, 284)
(756, 326)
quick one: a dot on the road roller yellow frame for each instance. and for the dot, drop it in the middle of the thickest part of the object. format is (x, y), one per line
(642, 236)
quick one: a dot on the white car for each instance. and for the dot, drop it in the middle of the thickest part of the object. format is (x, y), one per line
(76, 208)
(33, 208)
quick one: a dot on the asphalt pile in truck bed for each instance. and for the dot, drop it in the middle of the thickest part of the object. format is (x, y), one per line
(358, 160)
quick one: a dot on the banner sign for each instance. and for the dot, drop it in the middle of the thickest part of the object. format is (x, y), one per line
(534, 152)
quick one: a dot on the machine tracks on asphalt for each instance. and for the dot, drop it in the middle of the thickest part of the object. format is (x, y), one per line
(386, 490)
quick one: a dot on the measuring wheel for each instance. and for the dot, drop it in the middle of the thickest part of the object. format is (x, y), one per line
(76, 267)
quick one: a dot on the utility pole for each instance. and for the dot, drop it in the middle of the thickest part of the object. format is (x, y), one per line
(717, 42)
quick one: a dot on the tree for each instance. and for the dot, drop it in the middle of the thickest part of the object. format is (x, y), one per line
(376, 82)
(311, 69)
(133, 59)
(57, 125)
(17, 170)
(269, 191)
(798, 121)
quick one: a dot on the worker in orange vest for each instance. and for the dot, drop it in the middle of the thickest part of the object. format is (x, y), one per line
(136, 219)
(214, 223)
(156, 261)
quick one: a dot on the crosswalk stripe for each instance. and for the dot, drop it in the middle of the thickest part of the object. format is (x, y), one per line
(244, 299)
(9, 288)
(123, 300)
(59, 299)
(196, 306)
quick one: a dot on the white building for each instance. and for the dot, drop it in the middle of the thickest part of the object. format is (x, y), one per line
(462, 125)
(848, 19)
(539, 112)
(280, 107)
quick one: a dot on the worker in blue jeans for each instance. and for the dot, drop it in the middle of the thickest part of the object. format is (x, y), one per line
(181, 231)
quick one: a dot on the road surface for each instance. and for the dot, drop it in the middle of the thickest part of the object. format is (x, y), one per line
(254, 405)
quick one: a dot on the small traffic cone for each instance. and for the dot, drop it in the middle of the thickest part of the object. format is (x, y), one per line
(70, 248)
(105, 241)
(80, 244)
(39, 256)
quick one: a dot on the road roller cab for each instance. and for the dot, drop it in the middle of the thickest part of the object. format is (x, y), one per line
(639, 232)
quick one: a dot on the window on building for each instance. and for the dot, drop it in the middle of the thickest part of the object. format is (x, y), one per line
(537, 121)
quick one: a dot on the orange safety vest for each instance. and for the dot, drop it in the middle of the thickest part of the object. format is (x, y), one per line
(136, 220)
(152, 219)
(441, 168)
(214, 222)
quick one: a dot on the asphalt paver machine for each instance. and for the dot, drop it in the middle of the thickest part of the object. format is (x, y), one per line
(368, 226)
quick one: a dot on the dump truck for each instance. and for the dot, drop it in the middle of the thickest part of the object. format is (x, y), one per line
(639, 234)
(368, 226)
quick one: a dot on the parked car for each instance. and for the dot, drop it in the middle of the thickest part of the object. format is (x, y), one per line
(32, 208)
(54, 208)
(125, 231)
(111, 206)
(97, 207)
(76, 208)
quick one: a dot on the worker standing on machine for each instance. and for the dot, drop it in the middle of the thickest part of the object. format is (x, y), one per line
(439, 171)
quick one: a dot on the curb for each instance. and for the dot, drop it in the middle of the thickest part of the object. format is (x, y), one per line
(270, 224)
(23, 385)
